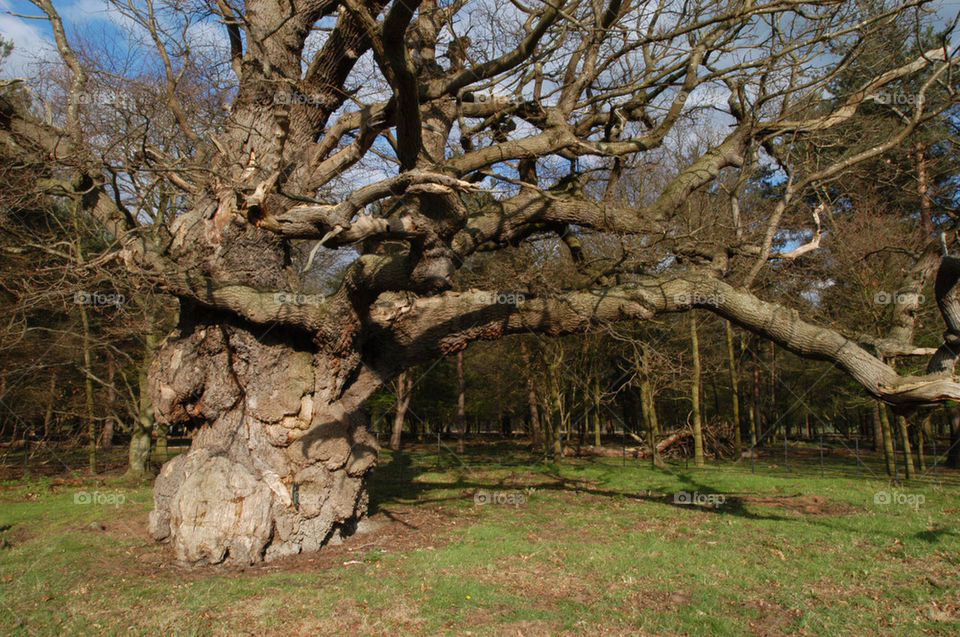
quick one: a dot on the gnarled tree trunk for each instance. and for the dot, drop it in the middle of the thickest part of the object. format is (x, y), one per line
(277, 465)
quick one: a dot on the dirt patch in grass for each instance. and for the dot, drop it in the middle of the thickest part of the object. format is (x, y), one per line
(773, 618)
(658, 600)
(804, 505)
(12, 534)
(397, 528)
(525, 627)
(391, 529)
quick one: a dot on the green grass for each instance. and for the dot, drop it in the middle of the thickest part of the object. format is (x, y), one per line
(594, 547)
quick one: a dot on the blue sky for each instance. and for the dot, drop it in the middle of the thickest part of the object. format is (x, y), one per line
(33, 39)
(91, 20)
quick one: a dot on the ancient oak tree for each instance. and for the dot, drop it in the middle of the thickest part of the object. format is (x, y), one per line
(407, 138)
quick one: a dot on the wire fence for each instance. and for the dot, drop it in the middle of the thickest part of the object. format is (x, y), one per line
(825, 456)
(34, 458)
(828, 455)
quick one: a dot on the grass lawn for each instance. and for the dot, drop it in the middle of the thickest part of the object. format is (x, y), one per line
(587, 547)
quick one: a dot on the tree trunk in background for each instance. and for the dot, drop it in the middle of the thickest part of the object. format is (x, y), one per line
(756, 415)
(695, 393)
(556, 437)
(88, 390)
(734, 391)
(716, 397)
(905, 442)
(649, 407)
(926, 218)
(877, 429)
(650, 402)
(953, 458)
(51, 399)
(553, 423)
(596, 411)
(887, 437)
(3, 414)
(531, 396)
(87, 357)
(404, 387)
(161, 430)
(461, 403)
(772, 408)
(107, 435)
(924, 433)
(141, 430)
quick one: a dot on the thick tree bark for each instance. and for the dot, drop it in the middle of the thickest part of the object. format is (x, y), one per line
(278, 463)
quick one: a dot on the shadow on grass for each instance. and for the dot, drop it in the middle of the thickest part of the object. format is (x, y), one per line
(399, 481)
(935, 534)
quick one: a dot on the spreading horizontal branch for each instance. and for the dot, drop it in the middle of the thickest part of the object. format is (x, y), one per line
(448, 322)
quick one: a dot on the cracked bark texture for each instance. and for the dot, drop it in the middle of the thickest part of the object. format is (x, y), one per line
(276, 467)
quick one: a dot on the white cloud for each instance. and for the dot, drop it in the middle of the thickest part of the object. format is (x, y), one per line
(30, 43)
(83, 11)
